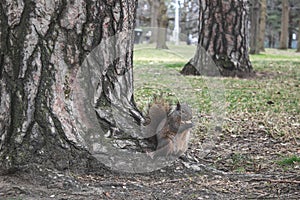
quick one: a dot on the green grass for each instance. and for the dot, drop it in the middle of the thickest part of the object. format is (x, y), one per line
(282, 87)
(276, 54)
(289, 161)
(147, 52)
(270, 100)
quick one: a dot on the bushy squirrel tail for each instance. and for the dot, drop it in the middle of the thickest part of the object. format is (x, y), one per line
(158, 111)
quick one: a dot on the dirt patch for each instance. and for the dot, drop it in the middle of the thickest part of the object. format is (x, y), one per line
(243, 164)
(217, 176)
(263, 74)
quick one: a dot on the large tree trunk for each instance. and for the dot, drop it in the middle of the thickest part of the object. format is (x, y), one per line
(262, 24)
(254, 33)
(223, 36)
(54, 75)
(163, 22)
(284, 25)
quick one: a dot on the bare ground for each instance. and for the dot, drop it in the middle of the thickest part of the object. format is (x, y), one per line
(240, 166)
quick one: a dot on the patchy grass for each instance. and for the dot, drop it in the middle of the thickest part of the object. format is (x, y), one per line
(290, 160)
(276, 91)
(261, 115)
(175, 54)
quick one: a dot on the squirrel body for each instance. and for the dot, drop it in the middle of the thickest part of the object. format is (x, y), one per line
(172, 128)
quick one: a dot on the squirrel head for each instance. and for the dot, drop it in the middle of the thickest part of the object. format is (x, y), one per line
(185, 111)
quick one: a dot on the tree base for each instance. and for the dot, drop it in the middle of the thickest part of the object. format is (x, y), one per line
(161, 46)
(190, 69)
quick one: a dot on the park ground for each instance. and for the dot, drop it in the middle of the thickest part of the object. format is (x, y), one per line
(251, 125)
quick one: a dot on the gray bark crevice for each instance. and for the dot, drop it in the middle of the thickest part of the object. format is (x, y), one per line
(42, 50)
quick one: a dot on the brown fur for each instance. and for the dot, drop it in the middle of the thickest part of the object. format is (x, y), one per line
(172, 129)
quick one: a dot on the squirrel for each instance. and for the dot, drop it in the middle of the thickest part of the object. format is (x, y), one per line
(171, 128)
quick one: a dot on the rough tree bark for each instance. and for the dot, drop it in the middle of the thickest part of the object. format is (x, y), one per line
(43, 44)
(262, 24)
(284, 25)
(254, 31)
(223, 36)
(162, 22)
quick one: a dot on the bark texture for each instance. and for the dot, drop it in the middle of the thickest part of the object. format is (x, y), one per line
(223, 36)
(43, 44)
(284, 25)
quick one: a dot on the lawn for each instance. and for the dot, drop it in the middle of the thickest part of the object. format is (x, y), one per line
(245, 145)
(259, 117)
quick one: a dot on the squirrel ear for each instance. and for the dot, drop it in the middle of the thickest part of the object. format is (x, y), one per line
(178, 107)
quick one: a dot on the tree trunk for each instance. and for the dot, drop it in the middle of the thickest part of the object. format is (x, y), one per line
(54, 75)
(223, 36)
(298, 47)
(284, 25)
(262, 24)
(290, 39)
(254, 32)
(192, 13)
(154, 4)
(163, 22)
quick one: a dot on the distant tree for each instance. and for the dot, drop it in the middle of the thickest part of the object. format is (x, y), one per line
(223, 36)
(254, 31)
(284, 25)
(189, 18)
(294, 16)
(153, 14)
(154, 7)
(143, 14)
(273, 22)
(262, 24)
(159, 21)
(298, 48)
(163, 22)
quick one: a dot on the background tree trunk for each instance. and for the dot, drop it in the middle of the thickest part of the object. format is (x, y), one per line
(223, 36)
(290, 38)
(154, 4)
(298, 47)
(43, 44)
(262, 24)
(163, 22)
(284, 25)
(254, 33)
